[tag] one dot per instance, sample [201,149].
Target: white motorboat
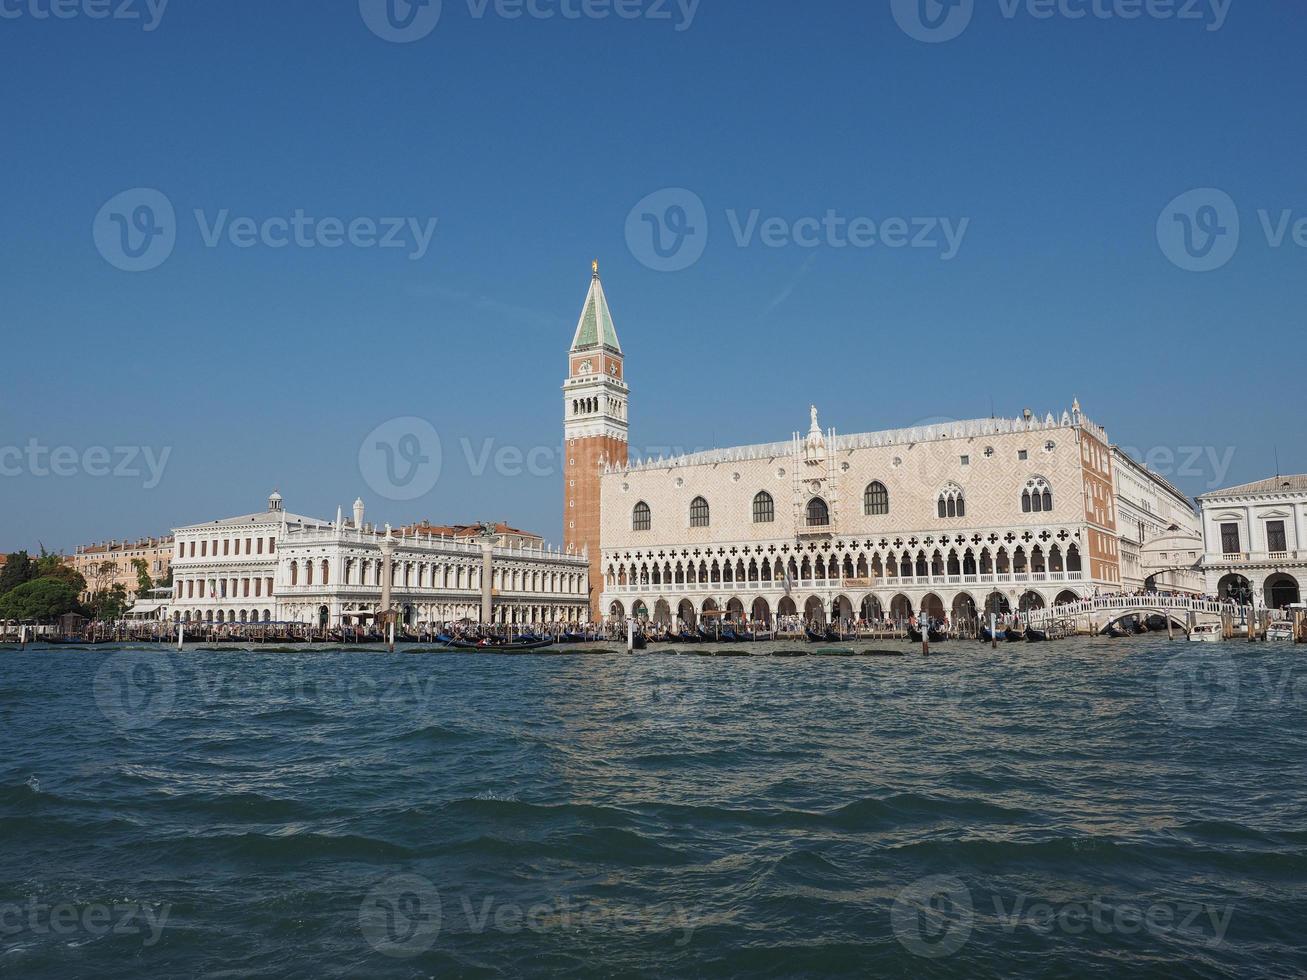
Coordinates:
[1206,633]
[1280,631]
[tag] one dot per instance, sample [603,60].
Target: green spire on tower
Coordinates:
[595,328]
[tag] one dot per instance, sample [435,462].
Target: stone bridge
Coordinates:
[1108,609]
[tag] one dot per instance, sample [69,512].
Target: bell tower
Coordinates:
[595,399]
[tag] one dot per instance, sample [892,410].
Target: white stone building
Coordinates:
[946,519]
[1253,540]
[1160,534]
[274,566]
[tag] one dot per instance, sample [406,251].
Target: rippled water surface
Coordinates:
[1084,808]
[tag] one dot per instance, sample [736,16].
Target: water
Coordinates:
[1085,808]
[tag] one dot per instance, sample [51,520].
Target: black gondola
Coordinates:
[1115,632]
[489,646]
[814,636]
[986,636]
[1014,636]
[1035,636]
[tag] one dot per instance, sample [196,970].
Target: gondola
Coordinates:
[814,636]
[1035,636]
[685,636]
[1115,632]
[986,636]
[490,646]
[639,641]
[1014,636]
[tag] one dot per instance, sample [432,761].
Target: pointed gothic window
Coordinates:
[818,513]
[641,519]
[952,503]
[875,500]
[1037,496]
[764,508]
[698,512]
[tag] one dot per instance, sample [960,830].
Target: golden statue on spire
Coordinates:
[595,265]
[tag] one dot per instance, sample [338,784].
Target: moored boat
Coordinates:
[1280,632]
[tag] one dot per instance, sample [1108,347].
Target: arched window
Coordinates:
[764,508]
[641,519]
[818,513]
[1036,496]
[698,512]
[875,501]
[952,503]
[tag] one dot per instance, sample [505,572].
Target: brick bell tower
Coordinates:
[595,398]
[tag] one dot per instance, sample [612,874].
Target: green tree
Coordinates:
[40,599]
[143,583]
[17,570]
[110,604]
[54,566]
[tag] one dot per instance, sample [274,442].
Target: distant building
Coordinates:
[1160,534]
[505,536]
[111,563]
[274,566]
[1253,540]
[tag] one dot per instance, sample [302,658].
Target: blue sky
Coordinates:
[1059,141]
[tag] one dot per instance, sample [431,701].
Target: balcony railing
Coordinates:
[841,584]
[1253,557]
